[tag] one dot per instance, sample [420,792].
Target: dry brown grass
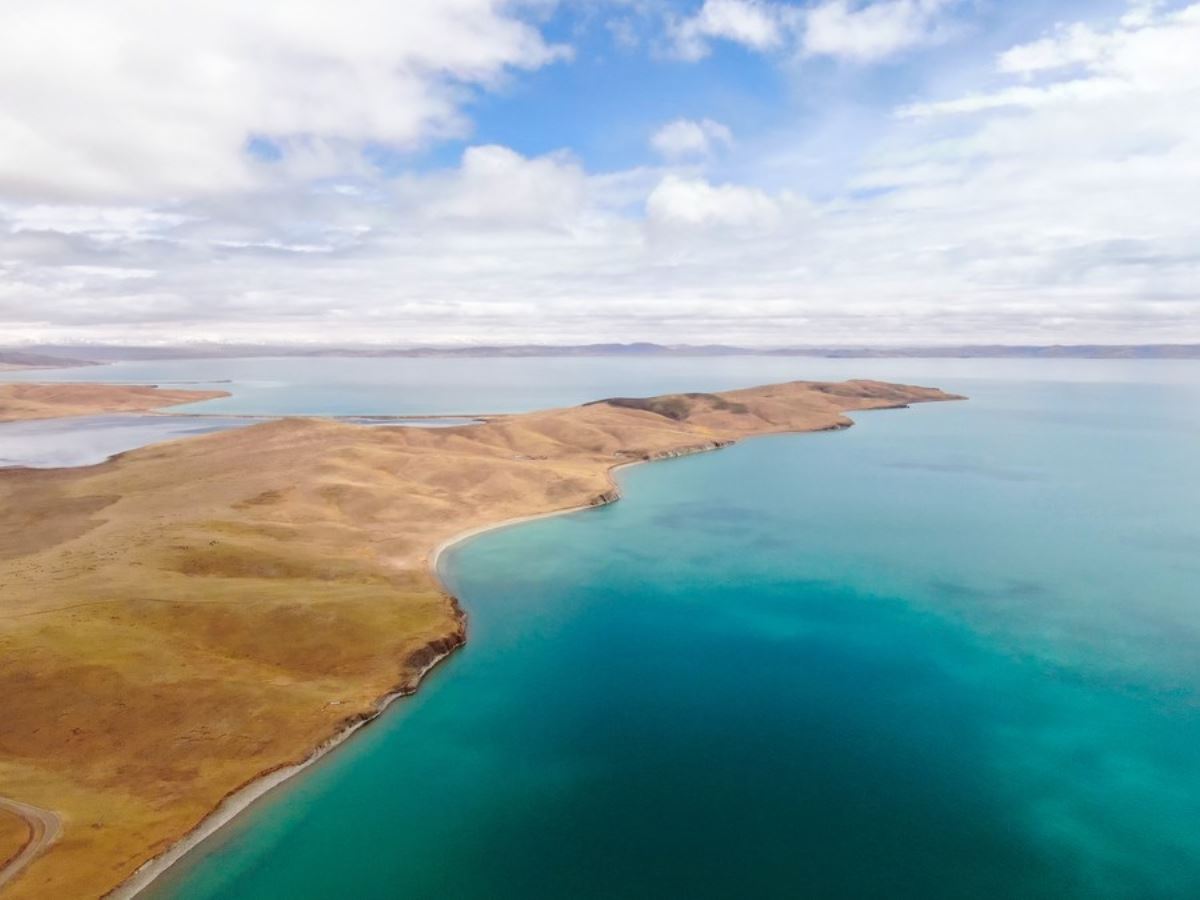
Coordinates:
[49,401]
[185,617]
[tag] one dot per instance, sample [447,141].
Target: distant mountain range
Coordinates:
[1004,351]
[78,354]
[20,359]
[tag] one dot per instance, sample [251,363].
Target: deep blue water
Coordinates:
[951,652]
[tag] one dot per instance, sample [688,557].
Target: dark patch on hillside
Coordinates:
[677,407]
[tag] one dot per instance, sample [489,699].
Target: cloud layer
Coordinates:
[181,178]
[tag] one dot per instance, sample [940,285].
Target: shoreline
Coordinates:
[236,803]
[242,799]
[612,495]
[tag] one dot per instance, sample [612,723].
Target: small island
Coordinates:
[189,623]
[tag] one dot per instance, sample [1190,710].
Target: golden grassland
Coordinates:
[182,619]
[48,401]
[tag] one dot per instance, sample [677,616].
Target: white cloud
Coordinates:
[755,24]
[1154,60]
[1141,12]
[868,32]
[1070,198]
[114,221]
[1073,45]
[133,99]
[688,202]
[117,272]
[861,31]
[684,138]
[495,186]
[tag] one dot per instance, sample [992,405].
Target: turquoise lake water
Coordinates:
[951,652]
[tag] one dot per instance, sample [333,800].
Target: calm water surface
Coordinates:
[952,652]
[85,440]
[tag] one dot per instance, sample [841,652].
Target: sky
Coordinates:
[755,172]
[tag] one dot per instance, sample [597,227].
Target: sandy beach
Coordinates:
[205,613]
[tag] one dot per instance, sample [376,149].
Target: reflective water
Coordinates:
[84,440]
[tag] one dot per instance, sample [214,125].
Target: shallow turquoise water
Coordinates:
[952,652]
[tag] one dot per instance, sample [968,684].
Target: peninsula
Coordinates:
[19,400]
[186,619]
